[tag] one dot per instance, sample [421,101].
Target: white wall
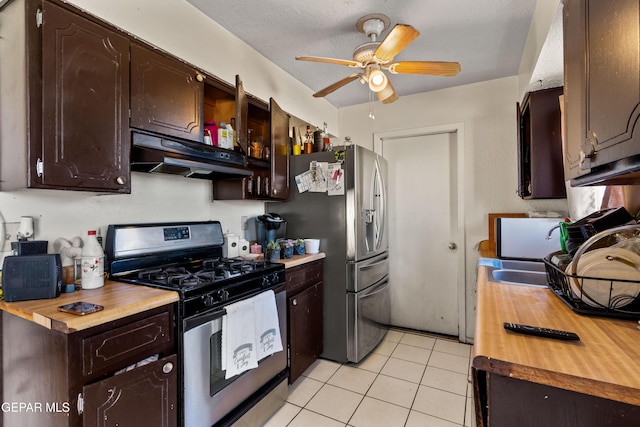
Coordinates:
[543,18]
[487,110]
[180,29]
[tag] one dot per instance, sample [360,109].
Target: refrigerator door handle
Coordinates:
[374,265]
[379,197]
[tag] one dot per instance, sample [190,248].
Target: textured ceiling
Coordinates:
[487,37]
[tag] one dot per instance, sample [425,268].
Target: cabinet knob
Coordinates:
[294,302]
[121,180]
[168,367]
[274,191]
[453,246]
[199,77]
[589,147]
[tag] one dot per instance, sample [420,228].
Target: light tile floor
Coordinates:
[410,380]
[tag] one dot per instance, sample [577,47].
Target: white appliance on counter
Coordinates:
[527,238]
[348,215]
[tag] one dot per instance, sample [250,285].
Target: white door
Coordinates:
[426,266]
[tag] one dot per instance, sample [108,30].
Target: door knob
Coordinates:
[453,246]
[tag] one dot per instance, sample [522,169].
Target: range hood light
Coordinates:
[195,171]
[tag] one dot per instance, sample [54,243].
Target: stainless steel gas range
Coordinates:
[187,257]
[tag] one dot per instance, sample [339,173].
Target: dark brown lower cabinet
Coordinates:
[503,401]
[117,400]
[91,377]
[304,312]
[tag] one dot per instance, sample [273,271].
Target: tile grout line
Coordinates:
[379,373]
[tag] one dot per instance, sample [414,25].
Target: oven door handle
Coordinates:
[201,319]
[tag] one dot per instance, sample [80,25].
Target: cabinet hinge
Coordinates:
[39,167]
[80,403]
[39,18]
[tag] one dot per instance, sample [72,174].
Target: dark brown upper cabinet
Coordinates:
[84,113]
[279,152]
[268,127]
[242,117]
[602,91]
[166,95]
[540,170]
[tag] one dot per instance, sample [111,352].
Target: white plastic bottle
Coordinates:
[92,263]
[230,136]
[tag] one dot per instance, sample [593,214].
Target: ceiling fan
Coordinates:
[374,57]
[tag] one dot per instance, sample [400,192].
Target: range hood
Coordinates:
[159,154]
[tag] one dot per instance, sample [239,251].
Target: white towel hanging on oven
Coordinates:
[267,325]
[239,338]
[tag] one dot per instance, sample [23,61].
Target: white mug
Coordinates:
[312,246]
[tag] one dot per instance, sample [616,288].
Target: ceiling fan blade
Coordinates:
[337,85]
[425,67]
[388,94]
[397,39]
[346,62]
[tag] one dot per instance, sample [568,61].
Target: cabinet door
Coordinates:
[540,146]
[305,329]
[279,152]
[145,396]
[242,116]
[613,83]
[166,95]
[85,105]
[602,98]
[574,90]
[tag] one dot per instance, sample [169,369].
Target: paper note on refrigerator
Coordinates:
[319,173]
[314,179]
[336,179]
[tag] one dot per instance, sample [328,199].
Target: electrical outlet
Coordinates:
[243,223]
[10,235]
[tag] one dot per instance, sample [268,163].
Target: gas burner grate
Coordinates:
[198,273]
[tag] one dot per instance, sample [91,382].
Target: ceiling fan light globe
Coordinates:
[377,80]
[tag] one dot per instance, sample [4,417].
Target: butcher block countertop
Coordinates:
[301,259]
[119,300]
[604,363]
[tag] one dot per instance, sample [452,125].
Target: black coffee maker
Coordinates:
[270,226]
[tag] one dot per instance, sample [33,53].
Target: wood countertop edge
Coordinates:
[119,299]
[301,259]
[616,392]
[489,344]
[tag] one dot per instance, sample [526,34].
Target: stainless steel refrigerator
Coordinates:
[349,218]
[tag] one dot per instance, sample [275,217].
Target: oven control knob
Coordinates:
[265,281]
[223,294]
[275,279]
[208,300]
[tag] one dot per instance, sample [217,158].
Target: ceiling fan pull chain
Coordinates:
[371,115]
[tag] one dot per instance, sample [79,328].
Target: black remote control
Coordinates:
[541,332]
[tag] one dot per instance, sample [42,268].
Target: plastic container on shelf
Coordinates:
[92,263]
[212,127]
